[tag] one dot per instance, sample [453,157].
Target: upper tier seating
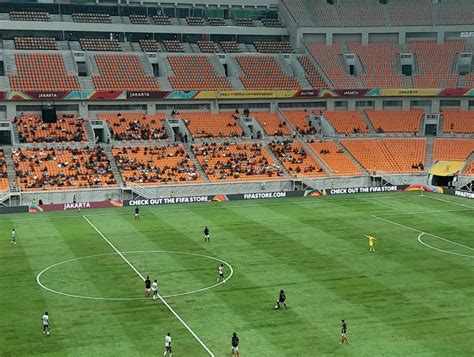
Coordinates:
[135,126]
[271,23]
[230,46]
[138,19]
[35,43]
[296,160]
[311,74]
[122,72]
[3,172]
[29,16]
[32,129]
[361,13]
[328,59]
[161,20]
[53,169]
[208,125]
[410,13]
[195,21]
[244,22]
[216,21]
[395,121]
[92,18]
[42,72]
[208,46]
[299,12]
[272,123]
[195,72]
[455,12]
[173,46]
[388,155]
[150,46]
[435,63]
[379,64]
[324,14]
[264,72]
[336,160]
[155,165]
[452,149]
[273,47]
[100,44]
[236,162]
[346,122]
[459,122]
[299,119]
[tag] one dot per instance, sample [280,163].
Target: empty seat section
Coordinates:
[29,16]
[325,14]
[395,121]
[388,155]
[361,13]
[208,46]
[271,23]
[32,129]
[452,149]
[272,124]
[410,13]
[296,160]
[3,172]
[135,126]
[173,46]
[195,72]
[459,122]
[100,44]
[155,165]
[161,20]
[195,21]
[346,122]
[208,125]
[236,162]
[230,46]
[244,22]
[328,57]
[216,21]
[335,158]
[122,72]
[150,46]
[264,72]
[379,62]
[42,72]
[299,12]
[35,43]
[469,170]
[138,19]
[454,12]
[53,169]
[311,74]
[299,119]
[273,47]
[92,18]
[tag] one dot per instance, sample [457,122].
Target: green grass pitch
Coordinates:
[406,299]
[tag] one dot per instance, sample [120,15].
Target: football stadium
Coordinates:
[237,177]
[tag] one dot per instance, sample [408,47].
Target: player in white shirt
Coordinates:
[13,236]
[45,320]
[154,289]
[220,270]
[168,345]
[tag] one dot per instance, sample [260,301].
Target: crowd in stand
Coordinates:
[419,166]
[137,129]
[40,168]
[294,157]
[3,171]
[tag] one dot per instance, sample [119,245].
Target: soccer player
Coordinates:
[207,238]
[344,332]
[147,286]
[137,213]
[168,345]
[371,243]
[154,289]
[13,236]
[220,270]
[235,345]
[45,320]
[281,300]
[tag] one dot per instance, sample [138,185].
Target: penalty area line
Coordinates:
[159,296]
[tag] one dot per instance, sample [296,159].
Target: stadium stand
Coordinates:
[346,122]
[395,121]
[264,72]
[458,122]
[272,124]
[29,16]
[161,20]
[216,21]
[388,155]
[42,72]
[311,74]
[324,14]
[454,12]
[328,57]
[149,46]
[122,72]
[379,64]
[244,22]
[435,63]
[361,13]
[230,46]
[100,44]
[155,165]
[236,162]
[35,43]
[469,170]
[272,23]
[208,125]
[299,12]
[54,169]
[32,129]
[273,47]
[208,46]
[295,159]
[299,119]
[452,149]
[191,72]
[195,21]
[138,19]
[91,18]
[410,13]
[135,126]
[3,172]
[173,46]
[335,159]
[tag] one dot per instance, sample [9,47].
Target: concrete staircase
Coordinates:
[300,73]
[277,161]
[236,83]
[16,135]
[195,161]
[216,64]
[90,60]
[86,83]
[4,82]
[429,153]
[89,132]
[368,122]
[285,67]
[146,65]
[409,81]
[164,83]
[10,63]
[69,63]
[461,81]
[113,165]
[350,156]
[310,151]
[441,124]
[165,67]
[10,164]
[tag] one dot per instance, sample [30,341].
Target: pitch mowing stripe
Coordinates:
[448,201]
[159,296]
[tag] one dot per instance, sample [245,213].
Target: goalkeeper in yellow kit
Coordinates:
[371,243]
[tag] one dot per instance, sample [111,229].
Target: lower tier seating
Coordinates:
[295,159]
[299,119]
[346,122]
[395,121]
[452,149]
[458,122]
[3,172]
[272,124]
[135,126]
[335,158]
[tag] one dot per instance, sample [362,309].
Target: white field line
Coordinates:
[434,211]
[448,201]
[442,250]
[159,296]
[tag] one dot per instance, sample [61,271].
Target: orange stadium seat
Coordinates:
[452,149]
[135,126]
[208,125]
[469,170]
[335,159]
[299,119]
[348,122]
[3,172]
[395,121]
[311,74]
[272,124]
[296,160]
[459,122]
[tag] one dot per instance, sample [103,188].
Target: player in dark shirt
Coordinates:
[344,332]
[281,300]
[207,238]
[147,286]
[235,345]
[137,213]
